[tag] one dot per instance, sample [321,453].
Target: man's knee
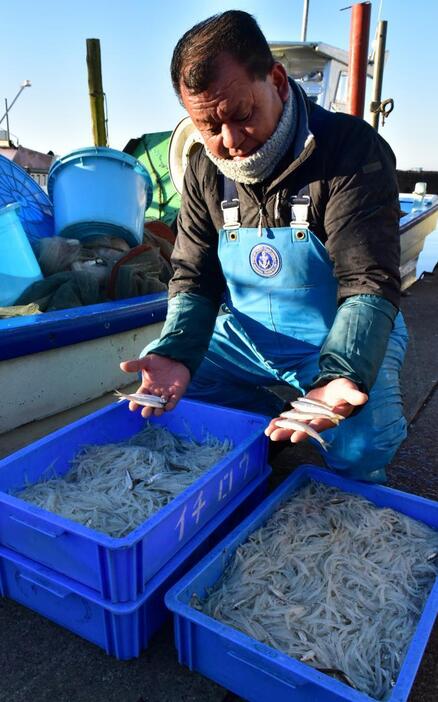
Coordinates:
[364,454]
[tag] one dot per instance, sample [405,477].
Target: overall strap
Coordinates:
[229,202]
[229,188]
[299,205]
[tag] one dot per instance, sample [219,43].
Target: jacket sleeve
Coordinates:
[362,216]
[197,285]
[356,344]
[187,330]
[362,225]
[195,260]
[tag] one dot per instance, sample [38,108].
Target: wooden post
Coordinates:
[379,62]
[95,90]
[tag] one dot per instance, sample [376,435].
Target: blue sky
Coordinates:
[44,41]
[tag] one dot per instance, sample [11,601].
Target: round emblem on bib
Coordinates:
[265,260]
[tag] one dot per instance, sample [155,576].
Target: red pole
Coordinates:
[358,58]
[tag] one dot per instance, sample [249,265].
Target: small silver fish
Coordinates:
[142,399]
[196,602]
[312,401]
[301,415]
[157,476]
[277,593]
[239,604]
[309,656]
[129,483]
[308,406]
[300,426]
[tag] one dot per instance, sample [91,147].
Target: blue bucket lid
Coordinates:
[9,208]
[13,207]
[101,152]
[35,212]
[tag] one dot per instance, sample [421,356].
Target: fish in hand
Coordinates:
[319,410]
[301,426]
[143,399]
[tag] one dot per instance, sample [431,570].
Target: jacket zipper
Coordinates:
[261,204]
[262,213]
[277,208]
[260,228]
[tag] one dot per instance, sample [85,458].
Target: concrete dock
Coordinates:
[41,662]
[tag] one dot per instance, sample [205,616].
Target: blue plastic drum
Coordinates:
[99,191]
[18,265]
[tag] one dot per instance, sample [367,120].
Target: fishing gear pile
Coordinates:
[333,581]
[115,487]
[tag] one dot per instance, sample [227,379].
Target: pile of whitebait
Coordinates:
[333,581]
[304,409]
[115,487]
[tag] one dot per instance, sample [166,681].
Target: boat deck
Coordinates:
[40,662]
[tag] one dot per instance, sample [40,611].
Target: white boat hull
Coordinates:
[414,228]
[42,384]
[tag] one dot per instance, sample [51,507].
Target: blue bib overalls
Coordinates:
[280,306]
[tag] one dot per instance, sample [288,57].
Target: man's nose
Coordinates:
[232,136]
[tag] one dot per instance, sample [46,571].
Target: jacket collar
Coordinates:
[303,134]
[304,142]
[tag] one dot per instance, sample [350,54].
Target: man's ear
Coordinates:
[280,80]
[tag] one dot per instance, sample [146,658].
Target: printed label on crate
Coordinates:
[205,502]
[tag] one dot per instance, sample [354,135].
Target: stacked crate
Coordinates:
[111,591]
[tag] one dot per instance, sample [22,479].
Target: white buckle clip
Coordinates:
[231,215]
[299,211]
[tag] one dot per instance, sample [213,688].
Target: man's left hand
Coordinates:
[340,394]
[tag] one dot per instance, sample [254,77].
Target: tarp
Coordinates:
[152,151]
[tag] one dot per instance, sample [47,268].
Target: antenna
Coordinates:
[304,22]
[25,84]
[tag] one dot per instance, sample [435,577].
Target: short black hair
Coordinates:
[233,32]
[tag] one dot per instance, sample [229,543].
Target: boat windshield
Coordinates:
[312,83]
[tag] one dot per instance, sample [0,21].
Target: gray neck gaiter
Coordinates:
[260,165]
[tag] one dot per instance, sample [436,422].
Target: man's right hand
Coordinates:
[160,376]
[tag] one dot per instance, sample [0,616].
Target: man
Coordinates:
[289,215]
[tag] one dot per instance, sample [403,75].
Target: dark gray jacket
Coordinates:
[350,171]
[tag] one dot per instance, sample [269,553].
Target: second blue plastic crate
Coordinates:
[256,671]
[119,569]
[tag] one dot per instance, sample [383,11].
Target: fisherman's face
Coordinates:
[236,115]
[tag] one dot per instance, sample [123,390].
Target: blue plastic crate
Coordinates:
[124,629]
[119,569]
[254,670]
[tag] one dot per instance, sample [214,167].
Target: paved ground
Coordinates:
[40,662]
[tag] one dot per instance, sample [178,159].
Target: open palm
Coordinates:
[341,394]
[160,376]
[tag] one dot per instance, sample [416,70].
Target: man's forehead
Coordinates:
[217,103]
[229,75]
